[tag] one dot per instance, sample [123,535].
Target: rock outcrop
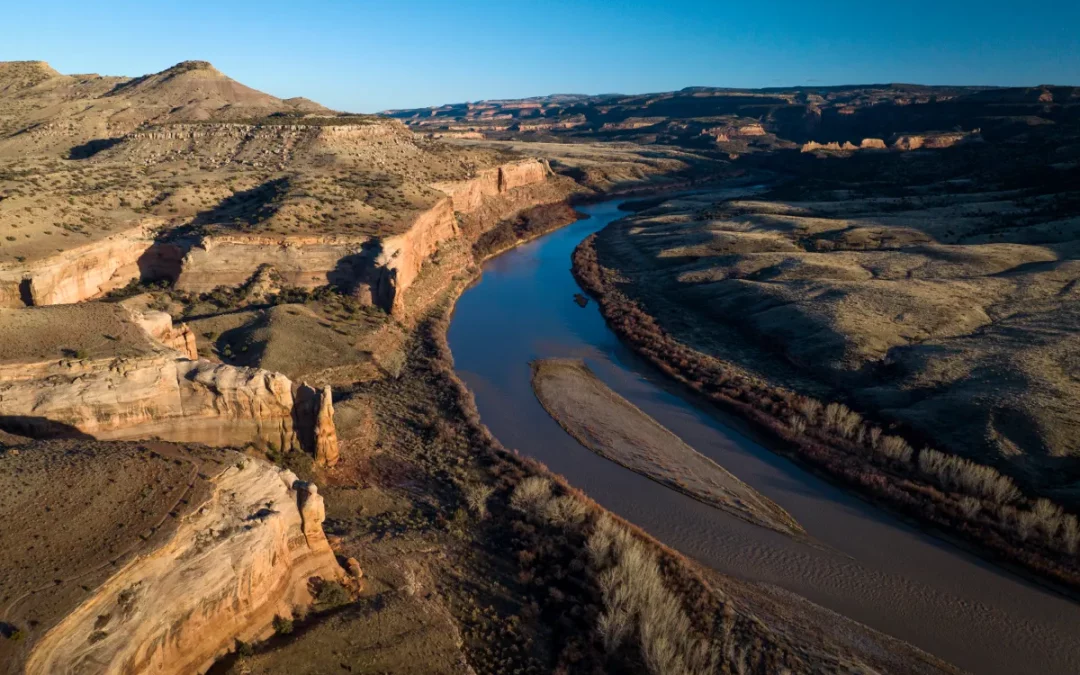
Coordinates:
[161,395]
[846,146]
[933,140]
[312,513]
[469,195]
[88,271]
[377,268]
[159,325]
[730,131]
[257,145]
[326,442]
[138,378]
[254,548]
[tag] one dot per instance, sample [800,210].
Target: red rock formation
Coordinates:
[87,271]
[159,325]
[326,442]
[266,544]
[159,395]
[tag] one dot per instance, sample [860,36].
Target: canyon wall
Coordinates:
[253,546]
[161,396]
[382,267]
[304,261]
[469,195]
[89,270]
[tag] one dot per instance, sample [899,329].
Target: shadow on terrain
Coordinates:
[357,274]
[40,428]
[93,147]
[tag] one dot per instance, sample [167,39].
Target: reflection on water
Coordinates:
[867,566]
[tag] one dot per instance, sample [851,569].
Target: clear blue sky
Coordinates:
[368,56]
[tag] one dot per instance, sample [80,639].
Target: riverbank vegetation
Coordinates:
[540,578]
[970,501]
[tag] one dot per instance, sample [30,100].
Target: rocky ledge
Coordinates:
[378,268]
[248,531]
[140,382]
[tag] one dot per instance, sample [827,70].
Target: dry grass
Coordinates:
[639,605]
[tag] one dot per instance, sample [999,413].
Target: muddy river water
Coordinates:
[869,566]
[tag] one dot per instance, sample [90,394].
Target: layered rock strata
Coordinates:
[162,395]
[135,379]
[256,546]
[379,269]
[90,270]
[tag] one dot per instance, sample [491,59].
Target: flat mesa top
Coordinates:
[92,330]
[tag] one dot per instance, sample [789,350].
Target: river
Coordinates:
[869,566]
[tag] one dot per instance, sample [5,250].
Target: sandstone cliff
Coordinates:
[846,146]
[934,140]
[253,545]
[159,325]
[162,396]
[87,271]
[380,268]
[133,378]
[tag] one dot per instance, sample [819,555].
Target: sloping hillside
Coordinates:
[45,112]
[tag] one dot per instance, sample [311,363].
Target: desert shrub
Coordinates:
[614,626]
[873,436]
[809,407]
[565,511]
[956,473]
[1046,509]
[841,419]
[1070,534]
[970,506]
[600,544]
[393,364]
[895,448]
[332,594]
[636,597]
[1023,522]
[797,424]
[283,626]
[1049,516]
[531,495]
[476,496]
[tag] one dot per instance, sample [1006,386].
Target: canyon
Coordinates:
[384,266]
[213,300]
